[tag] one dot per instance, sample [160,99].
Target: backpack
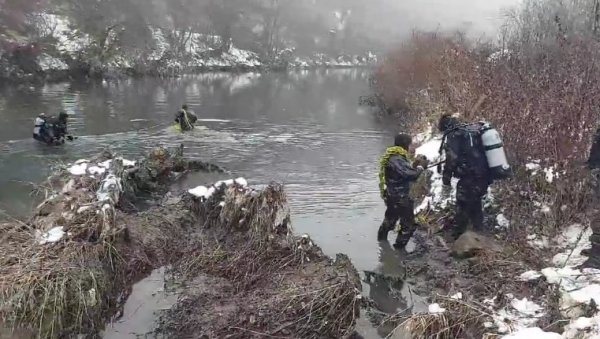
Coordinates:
[465,140]
[481,152]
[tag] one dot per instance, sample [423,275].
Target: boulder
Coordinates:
[470,244]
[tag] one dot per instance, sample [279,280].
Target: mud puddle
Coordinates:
[141,312]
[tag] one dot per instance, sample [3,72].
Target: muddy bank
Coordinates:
[502,282]
[108,222]
[249,276]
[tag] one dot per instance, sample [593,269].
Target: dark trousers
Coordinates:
[594,253]
[469,203]
[402,210]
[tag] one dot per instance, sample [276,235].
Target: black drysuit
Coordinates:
[594,166]
[470,167]
[399,174]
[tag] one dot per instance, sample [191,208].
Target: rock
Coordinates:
[470,244]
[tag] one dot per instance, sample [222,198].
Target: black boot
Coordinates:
[404,236]
[401,241]
[382,234]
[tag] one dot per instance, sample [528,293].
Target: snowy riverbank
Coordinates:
[68,51]
[531,295]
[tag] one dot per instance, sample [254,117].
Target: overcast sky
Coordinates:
[476,16]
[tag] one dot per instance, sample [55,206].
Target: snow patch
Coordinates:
[521,314]
[436,309]
[198,192]
[550,174]
[532,333]
[502,222]
[540,242]
[78,168]
[110,189]
[96,170]
[83,167]
[533,167]
[204,192]
[49,63]
[530,275]
[574,239]
[439,195]
[53,235]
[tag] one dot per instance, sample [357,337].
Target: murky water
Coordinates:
[304,129]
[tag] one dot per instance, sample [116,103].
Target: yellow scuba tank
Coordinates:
[177,127]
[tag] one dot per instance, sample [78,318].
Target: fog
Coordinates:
[476,17]
[266,27]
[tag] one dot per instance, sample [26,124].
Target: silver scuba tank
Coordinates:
[494,152]
[39,123]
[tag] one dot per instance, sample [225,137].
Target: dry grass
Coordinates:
[462,319]
[57,290]
[70,287]
[249,242]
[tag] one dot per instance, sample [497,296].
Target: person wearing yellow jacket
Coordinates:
[396,173]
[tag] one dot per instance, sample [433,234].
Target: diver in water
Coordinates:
[52,131]
[40,129]
[185,118]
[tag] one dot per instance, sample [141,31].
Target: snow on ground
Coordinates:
[539,242]
[68,40]
[530,275]
[518,315]
[78,169]
[535,168]
[502,222]
[52,236]
[199,51]
[110,189]
[49,63]
[436,309]
[84,166]
[439,196]
[578,287]
[457,296]
[204,192]
[533,333]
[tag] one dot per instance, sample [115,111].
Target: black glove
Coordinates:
[70,138]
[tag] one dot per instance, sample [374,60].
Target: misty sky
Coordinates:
[476,16]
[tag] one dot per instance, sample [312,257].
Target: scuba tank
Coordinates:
[489,143]
[494,152]
[39,123]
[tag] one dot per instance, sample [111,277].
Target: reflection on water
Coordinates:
[304,129]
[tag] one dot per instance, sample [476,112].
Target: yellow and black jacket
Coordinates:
[396,173]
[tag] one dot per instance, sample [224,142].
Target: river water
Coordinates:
[304,129]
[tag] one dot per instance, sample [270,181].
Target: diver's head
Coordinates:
[403,140]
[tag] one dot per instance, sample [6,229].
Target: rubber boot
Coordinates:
[382,234]
[404,237]
[401,241]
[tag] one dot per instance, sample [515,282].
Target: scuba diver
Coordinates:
[40,129]
[593,165]
[185,119]
[52,131]
[396,173]
[475,156]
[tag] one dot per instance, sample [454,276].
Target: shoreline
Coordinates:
[95,243]
[74,75]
